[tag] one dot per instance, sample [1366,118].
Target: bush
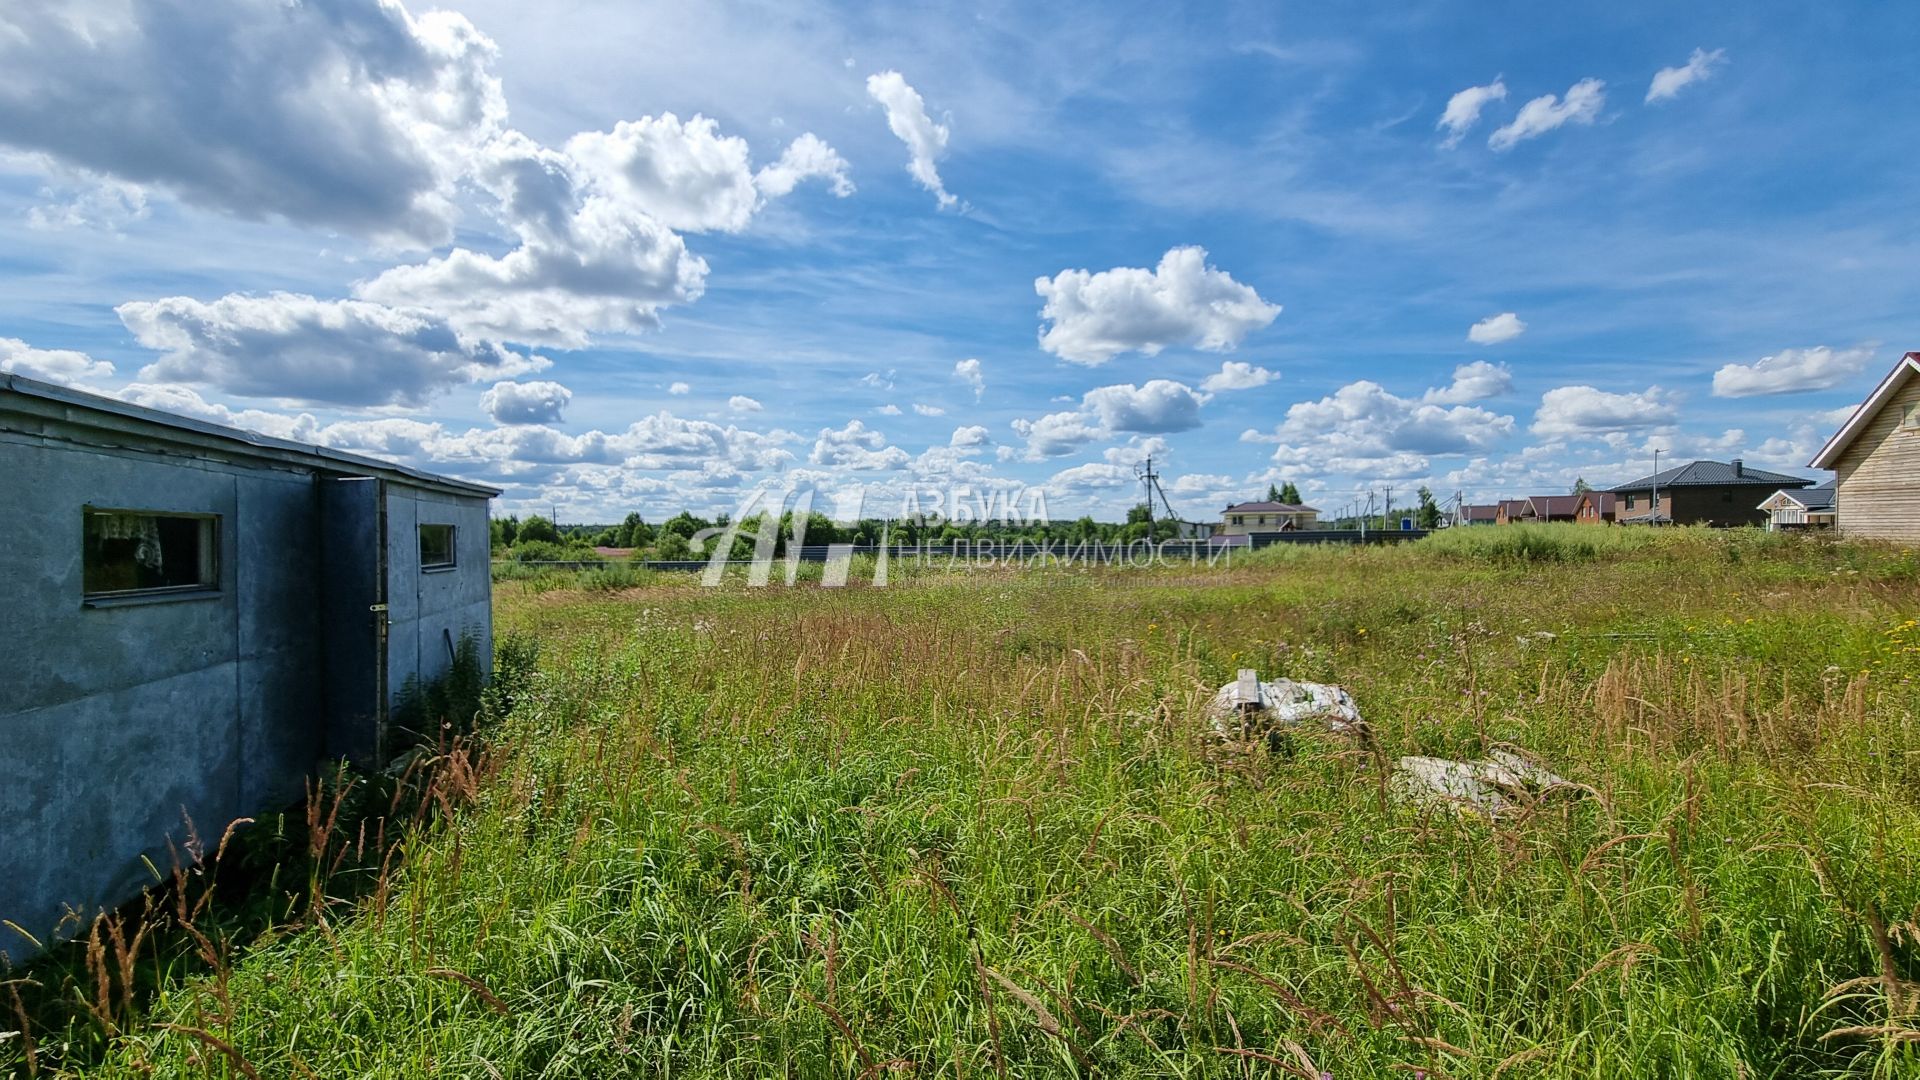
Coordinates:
[536,551]
[1555,543]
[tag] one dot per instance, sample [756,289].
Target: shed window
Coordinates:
[1910,417]
[134,551]
[436,547]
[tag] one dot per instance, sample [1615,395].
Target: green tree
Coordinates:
[1428,516]
[501,531]
[1140,514]
[683,525]
[633,532]
[1580,486]
[537,528]
[1290,494]
[1273,494]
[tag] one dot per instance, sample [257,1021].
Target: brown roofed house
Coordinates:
[1247,518]
[1549,508]
[1595,508]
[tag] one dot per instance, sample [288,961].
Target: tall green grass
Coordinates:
[972,824]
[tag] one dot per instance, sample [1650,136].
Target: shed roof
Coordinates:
[62,403]
[1479,511]
[1905,369]
[1713,474]
[1602,500]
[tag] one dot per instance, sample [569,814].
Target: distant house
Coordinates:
[1509,511]
[1595,508]
[1245,519]
[1806,508]
[1716,493]
[1486,514]
[1541,508]
[1875,458]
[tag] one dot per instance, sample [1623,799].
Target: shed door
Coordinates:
[353,568]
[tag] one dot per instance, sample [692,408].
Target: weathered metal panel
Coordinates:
[351,614]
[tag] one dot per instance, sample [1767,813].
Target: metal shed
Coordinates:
[195,616]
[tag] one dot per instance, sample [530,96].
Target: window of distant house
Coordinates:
[436,547]
[1629,502]
[1910,417]
[1239,519]
[133,552]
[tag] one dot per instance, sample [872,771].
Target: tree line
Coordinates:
[536,538]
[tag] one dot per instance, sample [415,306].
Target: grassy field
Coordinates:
[973,825]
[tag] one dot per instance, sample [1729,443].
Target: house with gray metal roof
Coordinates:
[1804,508]
[196,616]
[1716,493]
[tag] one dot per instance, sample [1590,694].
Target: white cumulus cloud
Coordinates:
[62,366]
[287,345]
[1668,82]
[1472,382]
[1183,301]
[1160,406]
[354,116]
[907,118]
[1585,411]
[1495,329]
[743,403]
[968,371]
[539,402]
[856,447]
[679,389]
[805,158]
[928,410]
[1363,429]
[1543,114]
[1463,110]
[1236,375]
[1792,370]
[690,177]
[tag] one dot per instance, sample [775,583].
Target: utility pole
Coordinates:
[1654,515]
[1150,480]
[1146,479]
[1386,511]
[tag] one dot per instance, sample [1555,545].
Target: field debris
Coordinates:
[1249,707]
[1498,782]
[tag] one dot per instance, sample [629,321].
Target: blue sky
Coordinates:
[905,248]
